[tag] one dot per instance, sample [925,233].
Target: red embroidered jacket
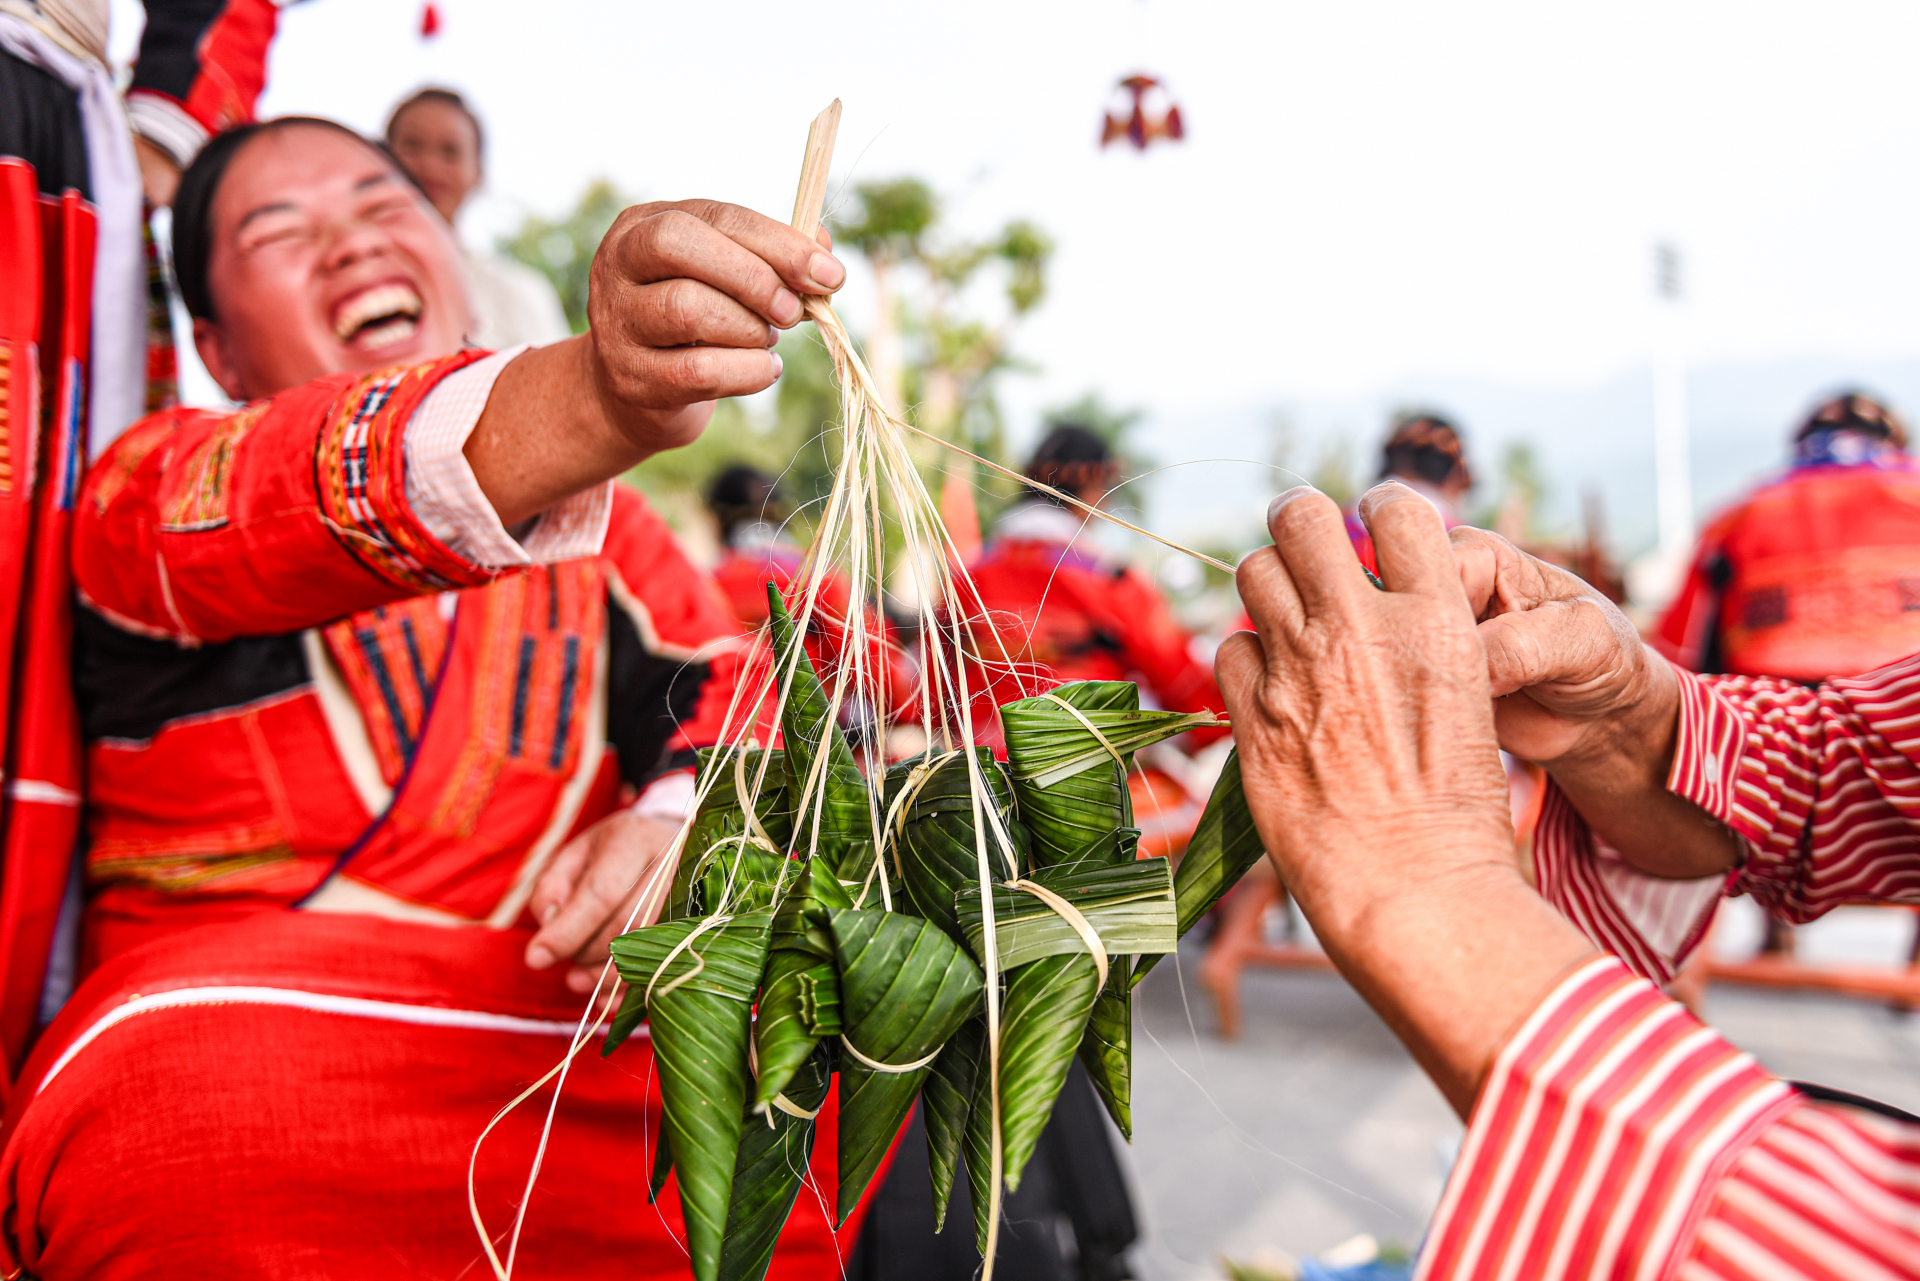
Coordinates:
[283,675]
[1616,1136]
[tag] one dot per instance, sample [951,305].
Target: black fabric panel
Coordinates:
[129,686]
[40,123]
[648,695]
[170,45]
[1071,1220]
[1827,1094]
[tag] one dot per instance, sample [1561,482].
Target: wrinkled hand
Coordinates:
[686,300]
[1569,672]
[1364,725]
[1576,690]
[585,898]
[1361,716]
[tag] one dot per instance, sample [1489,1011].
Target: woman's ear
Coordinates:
[211,342]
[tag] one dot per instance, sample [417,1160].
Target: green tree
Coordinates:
[563,251]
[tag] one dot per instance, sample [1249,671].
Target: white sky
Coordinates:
[1374,197]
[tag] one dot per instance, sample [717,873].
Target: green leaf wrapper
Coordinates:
[945,1099]
[905,988]
[1130,906]
[1106,1047]
[800,999]
[1041,1022]
[1224,846]
[977,1146]
[699,1006]
[713,843]
[1072,792]
[662,1166]
[934,830]
[768,1171]
[839,826]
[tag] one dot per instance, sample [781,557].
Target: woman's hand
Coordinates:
[1576,690]
[686,301]
[1365,729]
[588,896]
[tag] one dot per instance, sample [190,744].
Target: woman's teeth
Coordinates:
[385,333]
[379,316]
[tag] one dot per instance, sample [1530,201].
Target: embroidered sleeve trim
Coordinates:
[360,477]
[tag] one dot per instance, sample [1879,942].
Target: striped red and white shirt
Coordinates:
[1616,1136]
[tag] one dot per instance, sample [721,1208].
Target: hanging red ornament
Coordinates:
[429,21]
[1137,120]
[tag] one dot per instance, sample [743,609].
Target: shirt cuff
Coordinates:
[163,122]
[669,797]
[1706,750]
[448,501]
[1603,1129]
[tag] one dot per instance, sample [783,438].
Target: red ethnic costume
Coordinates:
[335,720]
[1616,1136]
[1814,575]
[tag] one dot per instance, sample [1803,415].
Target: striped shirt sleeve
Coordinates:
[1618,1138]
[1821,784]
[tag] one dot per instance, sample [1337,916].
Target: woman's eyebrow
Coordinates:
[372,180]
[283,206]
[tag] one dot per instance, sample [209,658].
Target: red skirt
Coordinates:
[298,1096]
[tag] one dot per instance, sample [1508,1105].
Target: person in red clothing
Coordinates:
[1815,574]
[1053,606]
[750,516]
[1609,1133]
[385,692]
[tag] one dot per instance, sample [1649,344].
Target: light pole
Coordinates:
[1672,464]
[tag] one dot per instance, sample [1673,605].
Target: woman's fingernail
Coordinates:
[779,366]
[786,308]
[539,958]
[548,912]
[826,270]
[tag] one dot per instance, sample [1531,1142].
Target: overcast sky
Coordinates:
[1373,197]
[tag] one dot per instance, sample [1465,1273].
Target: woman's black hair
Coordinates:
[1070,458]
[193,204]
[742,494]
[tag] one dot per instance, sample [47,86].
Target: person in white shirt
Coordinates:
[437,139]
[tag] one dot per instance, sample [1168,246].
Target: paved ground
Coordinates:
[1316,1125]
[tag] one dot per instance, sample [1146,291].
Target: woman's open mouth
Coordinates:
[380,317]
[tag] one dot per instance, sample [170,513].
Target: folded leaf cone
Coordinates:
[905,988]
[1041,1022]
[932,828]
[800,998]
[1106,1047]
[698,998]
[721,834]
[834,820]
[945,1099]
[768,1170]
[1071,781]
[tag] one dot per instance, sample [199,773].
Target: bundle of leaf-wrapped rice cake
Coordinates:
[836,928]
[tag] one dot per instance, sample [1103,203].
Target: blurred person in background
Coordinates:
[437,139]
[1055,606]
[1815,574]
[750,516]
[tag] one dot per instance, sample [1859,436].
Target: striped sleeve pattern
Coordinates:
[1601,1139]
[1824,785]
[1821,784]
